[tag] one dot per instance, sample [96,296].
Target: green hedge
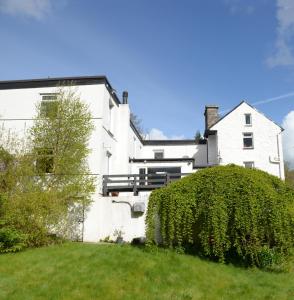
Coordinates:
[225,213]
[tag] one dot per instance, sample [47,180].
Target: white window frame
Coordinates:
[251,133]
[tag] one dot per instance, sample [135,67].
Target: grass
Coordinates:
[92,271]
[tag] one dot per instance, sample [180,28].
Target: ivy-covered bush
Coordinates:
[227,213]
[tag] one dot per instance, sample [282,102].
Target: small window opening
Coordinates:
[248,119]
[248,140]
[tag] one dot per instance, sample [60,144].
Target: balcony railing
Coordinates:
[137,182]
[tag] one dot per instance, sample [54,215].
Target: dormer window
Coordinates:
[248,120]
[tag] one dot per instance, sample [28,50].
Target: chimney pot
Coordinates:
[125,97]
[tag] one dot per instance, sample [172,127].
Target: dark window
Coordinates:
[248,120]
[158,154]
[44,163]
[249,164]
[160,174]
[248,140]
[49,106]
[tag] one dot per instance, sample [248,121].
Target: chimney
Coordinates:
[211,115]
[125,97]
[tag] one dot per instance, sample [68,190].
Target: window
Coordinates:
[49,105]
[248,140]
[248,119]
[159,174]
[158,154]
[249,164]
[45,160]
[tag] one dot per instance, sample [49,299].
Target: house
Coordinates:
[122,162]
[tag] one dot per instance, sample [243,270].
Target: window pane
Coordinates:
[249,164]
[45,161]
[248,140]
[248,119]
[158,155]
[49,108]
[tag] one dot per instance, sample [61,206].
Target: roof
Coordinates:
[224,116]
[57,81]
[172,142]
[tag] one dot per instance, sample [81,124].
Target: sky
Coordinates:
[173,56]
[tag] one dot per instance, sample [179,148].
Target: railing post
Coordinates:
[167,178]
[135,191]
[104,184]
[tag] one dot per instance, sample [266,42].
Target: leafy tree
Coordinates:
[50,186]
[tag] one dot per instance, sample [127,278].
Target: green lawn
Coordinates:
[91,271]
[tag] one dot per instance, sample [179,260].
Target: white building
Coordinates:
[243,136]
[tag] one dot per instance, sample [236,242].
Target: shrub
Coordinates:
[226,213]
[11,240]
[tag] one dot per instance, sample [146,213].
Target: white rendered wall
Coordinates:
[105,216]
[266,139]
[198,152]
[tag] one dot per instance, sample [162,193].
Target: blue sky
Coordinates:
[172,56]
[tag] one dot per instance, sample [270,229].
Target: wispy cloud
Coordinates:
[283,52]
[36,9]
[238,6]
[157,134]
[288,138]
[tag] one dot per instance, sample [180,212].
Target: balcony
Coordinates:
[136,183]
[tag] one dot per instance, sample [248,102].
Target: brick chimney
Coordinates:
[211,115]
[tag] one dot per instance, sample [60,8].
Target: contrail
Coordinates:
[274,99]
[267,100]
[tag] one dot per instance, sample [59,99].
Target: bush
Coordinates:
[227,213]
[11,240]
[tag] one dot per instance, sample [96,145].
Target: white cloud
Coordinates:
[156,134]
[30,8]
[288,138]
[283,53]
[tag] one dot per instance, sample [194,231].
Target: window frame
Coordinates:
[45,161]
[252,137]
[46,100]
[249,162]
[159,151]
[250,116]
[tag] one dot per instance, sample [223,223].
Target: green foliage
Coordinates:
[289,175]
[45,187]
[226,213]
[11,240]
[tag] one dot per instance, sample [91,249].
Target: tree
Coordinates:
[52,186]
[198,136]
[138,124]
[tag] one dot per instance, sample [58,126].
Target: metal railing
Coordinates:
[137,182]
